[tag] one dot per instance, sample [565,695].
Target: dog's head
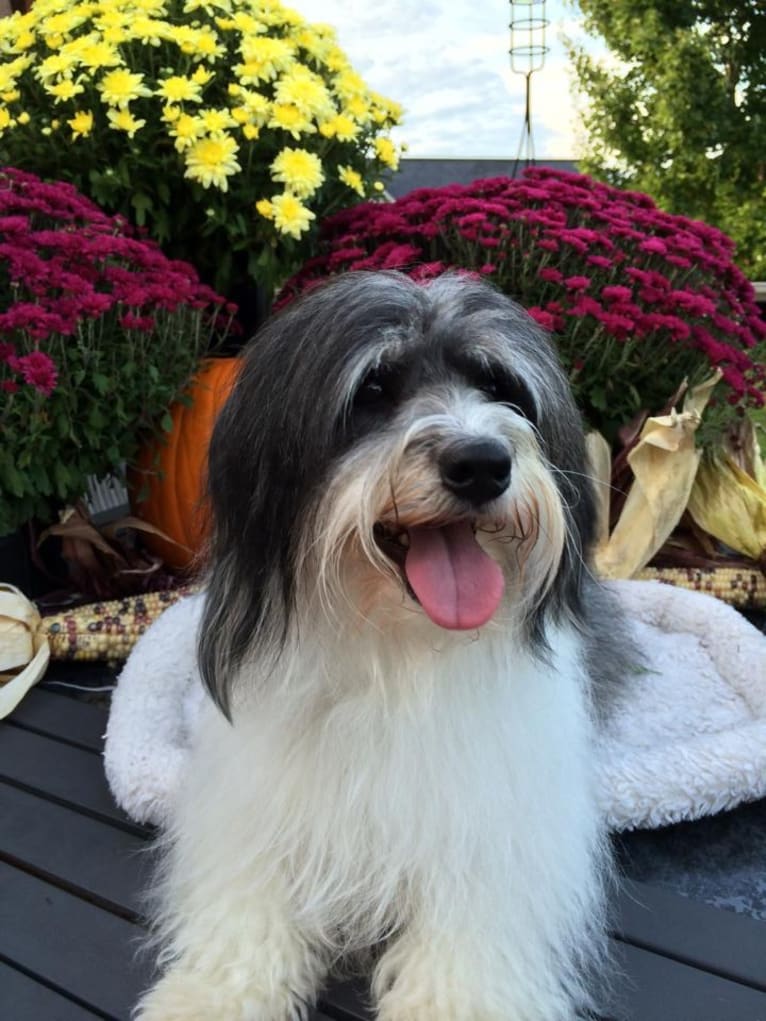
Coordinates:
[393,454]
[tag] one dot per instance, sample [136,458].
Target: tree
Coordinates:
[681,112]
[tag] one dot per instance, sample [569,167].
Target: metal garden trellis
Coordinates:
[527,51]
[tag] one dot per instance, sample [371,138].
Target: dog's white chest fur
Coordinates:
[373,793]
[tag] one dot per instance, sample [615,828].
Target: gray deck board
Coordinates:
[80,949]
[24,998]
[103,864]
[57,715]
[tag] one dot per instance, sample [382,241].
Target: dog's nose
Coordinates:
[477,470]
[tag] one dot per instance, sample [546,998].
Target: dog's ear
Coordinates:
[260,471]
[273,445]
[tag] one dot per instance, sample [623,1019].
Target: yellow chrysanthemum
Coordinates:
[6,121]
[211,161]
[57,64]
[116,35]
[186,131]
[336,60]
[123,120]
[150,31]
[349,85]
[290,215]
[385,111]
[265,209]
[263,59]
[81,124]
[340,127]
[120,86]
[305,90]
[149,6]
[352,178]
[298,169]
[257,106]
[24,41]
[202,76]
[207,46]
[210,7]
[386,152]
[290,119]
[178,89]
[251,132]
[7,79]
[246,24]
[23,118]
[316,40]
[214,120]
[171,112]
[99,54]
[359,109]
[63,90]
[64,22]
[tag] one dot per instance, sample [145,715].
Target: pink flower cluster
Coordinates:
[64,262]
[636,298]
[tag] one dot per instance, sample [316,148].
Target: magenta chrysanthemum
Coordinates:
[98,331]
[638,299]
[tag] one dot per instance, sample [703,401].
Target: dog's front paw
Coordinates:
[184,996]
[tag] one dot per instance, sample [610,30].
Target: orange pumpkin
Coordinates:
[166,483]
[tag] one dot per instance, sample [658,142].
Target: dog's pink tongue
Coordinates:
[459,586]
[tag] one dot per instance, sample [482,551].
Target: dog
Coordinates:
[405,654]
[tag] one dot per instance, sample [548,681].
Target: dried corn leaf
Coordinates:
[730,505]
[664,464]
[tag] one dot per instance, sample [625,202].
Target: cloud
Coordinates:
[449,67]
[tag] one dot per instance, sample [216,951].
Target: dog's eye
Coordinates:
[503,388]
[378,389]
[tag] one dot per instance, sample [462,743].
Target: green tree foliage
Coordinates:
[681,112]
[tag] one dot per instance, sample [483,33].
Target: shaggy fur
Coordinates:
[365,777]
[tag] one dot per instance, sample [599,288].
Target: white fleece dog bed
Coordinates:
[685,739]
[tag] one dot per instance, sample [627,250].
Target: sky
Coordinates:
[447,63]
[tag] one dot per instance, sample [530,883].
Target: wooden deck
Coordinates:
[71,872]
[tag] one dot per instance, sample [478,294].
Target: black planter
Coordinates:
[16,565]
[254,304]
[34,575]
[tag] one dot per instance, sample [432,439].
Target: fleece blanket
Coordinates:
[685,738]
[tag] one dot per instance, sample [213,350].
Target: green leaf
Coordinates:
[101,382]
[12,480]
[143,204]
[62,478]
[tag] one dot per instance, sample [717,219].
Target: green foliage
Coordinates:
[681,113]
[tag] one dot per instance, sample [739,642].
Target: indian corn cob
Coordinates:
[739,586]
[107,630]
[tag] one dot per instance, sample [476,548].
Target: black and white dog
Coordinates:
[404,650]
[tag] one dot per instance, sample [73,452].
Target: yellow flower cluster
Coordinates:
[237,96]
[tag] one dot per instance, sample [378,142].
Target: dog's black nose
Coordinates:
[476,470]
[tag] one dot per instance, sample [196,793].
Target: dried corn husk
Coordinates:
[664,463]
[24,651]
[99,631]
[730,504]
